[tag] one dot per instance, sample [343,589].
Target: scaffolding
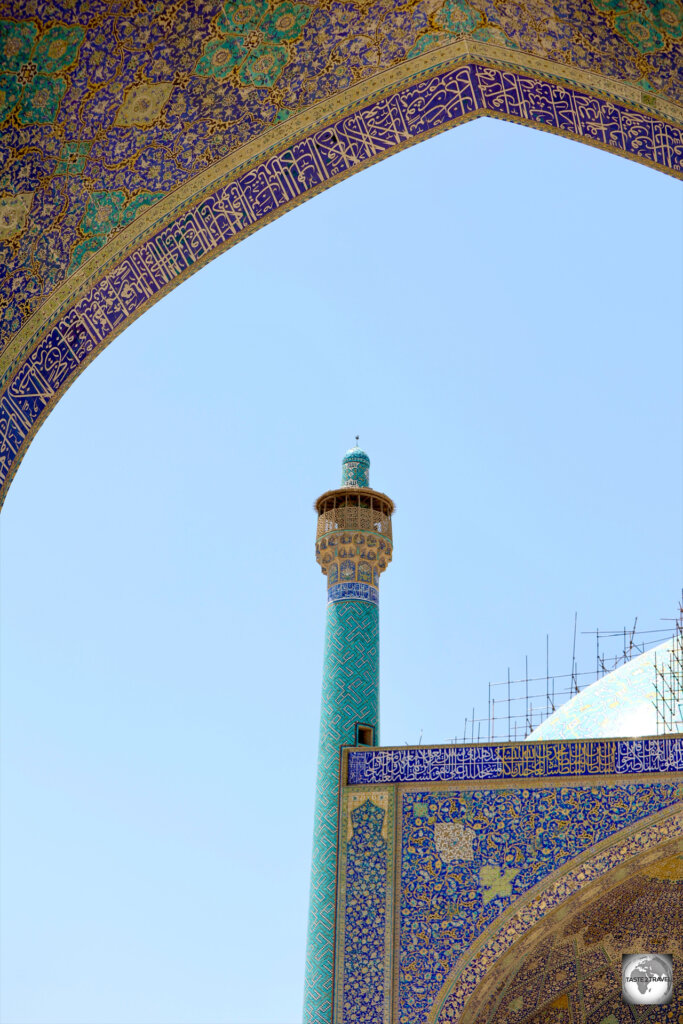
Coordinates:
[518,706]
[668,700]
[635,641]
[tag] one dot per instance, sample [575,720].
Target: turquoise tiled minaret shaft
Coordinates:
[353,547]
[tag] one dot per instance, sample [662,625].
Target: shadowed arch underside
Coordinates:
[569,971]
[140,140]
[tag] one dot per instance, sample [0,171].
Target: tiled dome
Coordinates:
[356,468]
[621,703]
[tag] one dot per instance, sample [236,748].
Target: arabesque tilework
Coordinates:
[141,139]
[536,912]
[363,950]
[573,955]
[573,969]
[473,849]
[520,837]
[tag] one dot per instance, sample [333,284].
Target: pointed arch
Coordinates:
[481,975]
[449,63]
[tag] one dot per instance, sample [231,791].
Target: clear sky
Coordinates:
[498,313]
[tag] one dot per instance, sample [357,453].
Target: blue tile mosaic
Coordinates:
[467,854]
[353,592]
[365,879]
[522,760]
[356,468]
[350,696]
[517,837]
[164,99]
[637,906]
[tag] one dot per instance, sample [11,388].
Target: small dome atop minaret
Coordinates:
[356,468]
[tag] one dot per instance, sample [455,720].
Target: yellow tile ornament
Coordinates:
[14,211]
[143,104]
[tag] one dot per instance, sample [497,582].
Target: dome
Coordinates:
[621,703]
[356,454]
[356,468]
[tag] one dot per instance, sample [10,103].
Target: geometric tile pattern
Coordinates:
[520,760]
[196,121]
[350,694]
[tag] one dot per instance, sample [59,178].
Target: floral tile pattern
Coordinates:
[579,963]
[251,44]
[484,971]
[147,99]
[104,212]
[366,881]
[468,855]
[522,836]
[30,65]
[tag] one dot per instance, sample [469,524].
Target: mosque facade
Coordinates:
[140,141]
[487,883]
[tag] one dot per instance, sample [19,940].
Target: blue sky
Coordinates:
[498,313]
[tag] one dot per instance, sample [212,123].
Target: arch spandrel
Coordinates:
[581,918]
[140,143]
[569,968]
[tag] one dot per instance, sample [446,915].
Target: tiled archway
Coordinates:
[140,141]
[556,956]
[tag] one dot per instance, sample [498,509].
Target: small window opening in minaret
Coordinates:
[365,735]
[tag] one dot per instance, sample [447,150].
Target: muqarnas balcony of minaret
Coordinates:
[364,545]
[347,570]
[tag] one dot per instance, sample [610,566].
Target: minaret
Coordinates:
[353,547]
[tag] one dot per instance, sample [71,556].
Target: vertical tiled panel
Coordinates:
[365,908]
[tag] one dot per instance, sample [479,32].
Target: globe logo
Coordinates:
[647,978]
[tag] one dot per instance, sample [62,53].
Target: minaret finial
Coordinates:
[356,467]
